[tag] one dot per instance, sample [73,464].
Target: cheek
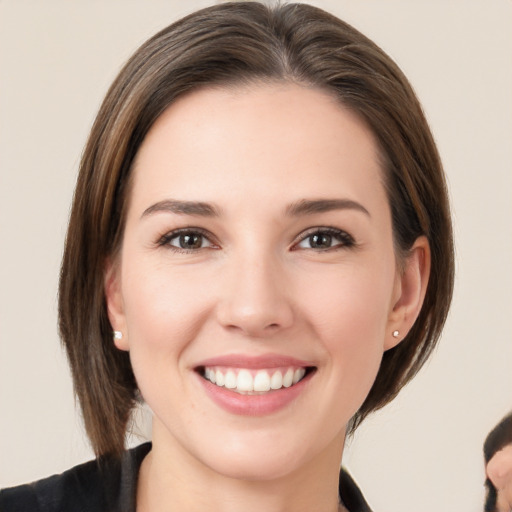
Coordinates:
[350,306]
[162,307]
[164,313]
[350,317]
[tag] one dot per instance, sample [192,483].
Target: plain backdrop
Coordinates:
[57,58]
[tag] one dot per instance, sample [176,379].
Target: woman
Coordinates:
[498,467]
[260,248]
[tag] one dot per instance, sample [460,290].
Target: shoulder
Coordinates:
[77,487]
[350,494]
[106,484]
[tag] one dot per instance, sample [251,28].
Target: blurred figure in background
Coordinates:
[498,467]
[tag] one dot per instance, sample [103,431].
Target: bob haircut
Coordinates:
[228,45]
[499,437]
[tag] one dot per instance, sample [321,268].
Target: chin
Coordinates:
[255,468]
[267,456]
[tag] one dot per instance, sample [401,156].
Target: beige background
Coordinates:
[57,58]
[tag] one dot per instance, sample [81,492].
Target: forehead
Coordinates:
[256,138]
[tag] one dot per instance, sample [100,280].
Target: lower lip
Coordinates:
[254,405]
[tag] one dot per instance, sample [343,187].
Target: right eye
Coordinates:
[186,240]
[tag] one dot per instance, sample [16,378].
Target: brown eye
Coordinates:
[190,241]
[325,239]
[320,241]
[186,241]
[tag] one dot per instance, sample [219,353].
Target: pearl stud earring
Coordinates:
[396,334]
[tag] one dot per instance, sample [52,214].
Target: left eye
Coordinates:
[325,239]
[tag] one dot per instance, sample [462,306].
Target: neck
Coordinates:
[171,479]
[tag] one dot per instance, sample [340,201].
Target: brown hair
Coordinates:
[229,44]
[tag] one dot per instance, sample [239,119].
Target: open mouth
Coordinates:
[254,381]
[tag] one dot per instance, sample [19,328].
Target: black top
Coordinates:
[109,485]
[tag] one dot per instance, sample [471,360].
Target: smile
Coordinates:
[254,385]
[248,381]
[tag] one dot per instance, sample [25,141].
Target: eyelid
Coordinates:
[347,240]
[164,240]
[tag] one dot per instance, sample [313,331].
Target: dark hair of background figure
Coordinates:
[228,45]
[498,438]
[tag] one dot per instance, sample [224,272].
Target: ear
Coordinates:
[115,305]
[410,288]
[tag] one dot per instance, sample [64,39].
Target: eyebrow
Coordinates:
[302,207]
[310,207]
[183,208]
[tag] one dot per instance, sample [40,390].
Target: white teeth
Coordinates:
[276,382]
[230,380]
[299,373]
[262,381]
[288,378]
[243,381]
[219,378]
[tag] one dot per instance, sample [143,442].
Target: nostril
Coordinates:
[254,315]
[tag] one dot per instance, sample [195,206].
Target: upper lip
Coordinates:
[254,362]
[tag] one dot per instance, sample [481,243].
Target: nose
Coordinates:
[255,298]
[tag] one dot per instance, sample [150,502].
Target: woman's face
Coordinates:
[257,254]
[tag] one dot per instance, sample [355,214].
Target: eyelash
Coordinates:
[345,240]
[166,239]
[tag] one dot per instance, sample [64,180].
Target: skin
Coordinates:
[256,286]
[499,472]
